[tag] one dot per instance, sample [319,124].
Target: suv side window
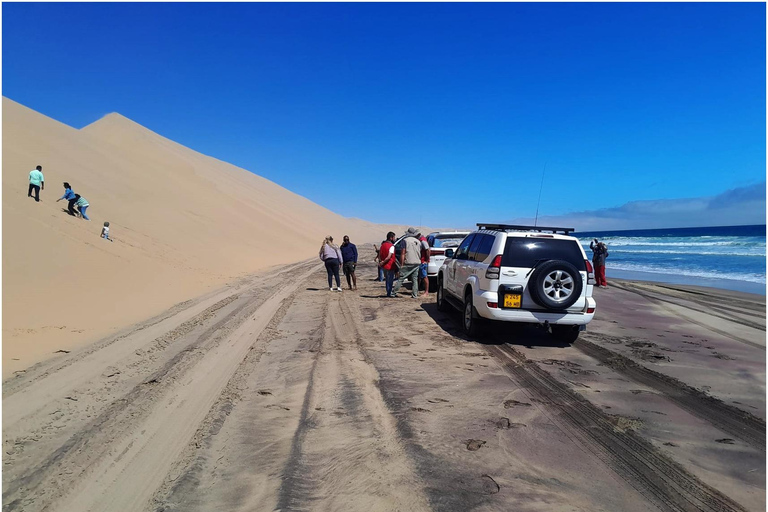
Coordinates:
[481,247]
[462,253]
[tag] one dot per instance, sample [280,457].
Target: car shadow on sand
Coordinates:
[493,333]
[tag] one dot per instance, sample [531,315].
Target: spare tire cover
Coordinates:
[555,284]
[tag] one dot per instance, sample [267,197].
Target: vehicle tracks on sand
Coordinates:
[117,459]
[662,481]
[732,420]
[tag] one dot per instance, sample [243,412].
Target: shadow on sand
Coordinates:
[493,333]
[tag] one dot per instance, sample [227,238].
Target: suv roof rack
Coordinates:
[513,227]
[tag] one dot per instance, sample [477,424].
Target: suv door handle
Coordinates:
[509,273]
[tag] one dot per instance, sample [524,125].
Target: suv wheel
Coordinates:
[470,323]
[565,333]
[442,305]
[555,284]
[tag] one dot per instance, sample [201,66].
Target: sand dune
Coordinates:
[183,223]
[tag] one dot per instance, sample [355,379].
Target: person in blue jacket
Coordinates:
[69,196]
[349,256]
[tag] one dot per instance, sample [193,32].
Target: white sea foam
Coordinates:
[713,274]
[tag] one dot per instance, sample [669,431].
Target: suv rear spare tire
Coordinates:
[555,284]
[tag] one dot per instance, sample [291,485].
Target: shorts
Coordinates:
[349,267]
[423,270]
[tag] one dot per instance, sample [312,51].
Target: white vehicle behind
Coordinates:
[439,242]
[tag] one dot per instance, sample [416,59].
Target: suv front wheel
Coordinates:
[442,305]
[470,322]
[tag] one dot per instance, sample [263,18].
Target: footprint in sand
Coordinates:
[514,403]
[474,444]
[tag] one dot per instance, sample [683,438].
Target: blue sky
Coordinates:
[430,114]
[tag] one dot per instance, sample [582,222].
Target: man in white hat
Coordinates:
[410,260]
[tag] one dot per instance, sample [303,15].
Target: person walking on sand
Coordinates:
[331,255]
[599,253]
[70,197]
[36,182]
[82,204]
[410,261]
[349,259]
[387,261]
[424,263]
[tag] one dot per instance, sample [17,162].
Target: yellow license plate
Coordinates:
[511,301]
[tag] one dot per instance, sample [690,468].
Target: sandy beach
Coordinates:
[183,223]
[273,393]
[199,362]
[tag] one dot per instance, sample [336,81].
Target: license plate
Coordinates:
[511,300]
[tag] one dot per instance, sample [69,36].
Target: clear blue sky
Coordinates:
[434,114]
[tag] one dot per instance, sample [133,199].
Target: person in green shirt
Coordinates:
[36,182]
[81,204]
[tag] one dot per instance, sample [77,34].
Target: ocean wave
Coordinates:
[680,243]
[710,274]
[760,254]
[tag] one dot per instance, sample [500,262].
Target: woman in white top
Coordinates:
[331,255]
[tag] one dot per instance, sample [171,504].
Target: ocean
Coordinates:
[731,258]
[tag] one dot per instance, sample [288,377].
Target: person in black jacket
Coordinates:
[349,257]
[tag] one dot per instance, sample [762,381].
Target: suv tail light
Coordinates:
[494,269]
[590,273]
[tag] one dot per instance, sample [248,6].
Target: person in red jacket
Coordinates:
[387,261]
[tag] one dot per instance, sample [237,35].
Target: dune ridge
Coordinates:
[183,223]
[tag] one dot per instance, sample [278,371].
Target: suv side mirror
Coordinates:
[449,253]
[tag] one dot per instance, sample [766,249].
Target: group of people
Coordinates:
[74,200]
[37,183]
[406,260]
[335,257]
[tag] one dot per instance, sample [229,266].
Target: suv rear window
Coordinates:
[525,252]
[447,240]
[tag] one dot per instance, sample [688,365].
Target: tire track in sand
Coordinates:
[732,420]
[662,481]
[120,458]
[347,449]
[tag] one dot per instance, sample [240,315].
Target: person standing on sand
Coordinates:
[36,182]
[349,259]
[410,261]
[377,260]
[330,254]
[69,196]
[424,263]
[387,261]
[599,253]
[82,204]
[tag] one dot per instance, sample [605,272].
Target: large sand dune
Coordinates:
[183,223]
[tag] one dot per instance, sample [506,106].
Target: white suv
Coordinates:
[519,274]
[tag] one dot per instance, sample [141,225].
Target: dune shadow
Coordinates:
[494,333]
[315,289]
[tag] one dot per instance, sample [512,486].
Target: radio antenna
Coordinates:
[541,187]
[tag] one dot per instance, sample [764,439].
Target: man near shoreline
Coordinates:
[410,261]
[36,182]
[599,253]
